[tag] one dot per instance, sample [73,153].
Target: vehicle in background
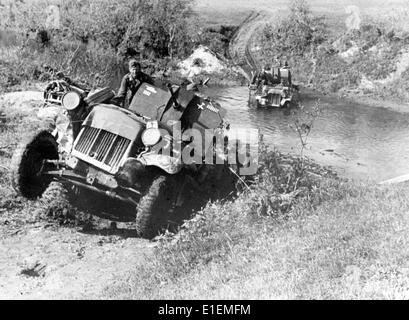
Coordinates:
[273,88]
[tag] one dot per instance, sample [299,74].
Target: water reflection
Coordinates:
[359,141]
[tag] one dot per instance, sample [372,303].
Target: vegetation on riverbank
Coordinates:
[334,240]
[329,52]
[91,41]
[351,53]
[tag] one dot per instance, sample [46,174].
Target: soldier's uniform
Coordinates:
[130,84]
[265,76]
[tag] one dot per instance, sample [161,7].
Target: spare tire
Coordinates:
[27,162]
[99,96]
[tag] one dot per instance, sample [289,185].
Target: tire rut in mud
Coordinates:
[240,44]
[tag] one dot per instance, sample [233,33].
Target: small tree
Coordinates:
[104,21]
[304,123]
[161,27]
[295,33]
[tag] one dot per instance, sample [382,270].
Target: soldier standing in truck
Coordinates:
[131,83]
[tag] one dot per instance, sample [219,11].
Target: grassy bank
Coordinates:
[338,241]
[335,54]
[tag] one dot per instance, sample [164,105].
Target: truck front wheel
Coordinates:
[154,207]
[27,163]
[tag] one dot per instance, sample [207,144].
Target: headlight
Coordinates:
[151,136]
[71,100]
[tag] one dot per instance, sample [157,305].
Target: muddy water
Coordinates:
[359,141]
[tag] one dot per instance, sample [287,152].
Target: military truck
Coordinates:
[272,88]
[125,154]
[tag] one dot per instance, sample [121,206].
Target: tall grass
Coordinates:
[353,244]
[214,235]
[94,67]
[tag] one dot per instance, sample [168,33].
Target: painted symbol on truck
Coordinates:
[151,89]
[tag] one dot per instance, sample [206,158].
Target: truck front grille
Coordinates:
[101,148]
[275,99]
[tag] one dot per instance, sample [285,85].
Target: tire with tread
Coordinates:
[26,164]
[153,208]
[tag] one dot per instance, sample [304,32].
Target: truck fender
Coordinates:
[167,163]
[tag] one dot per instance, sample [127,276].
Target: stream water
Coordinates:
[359,141]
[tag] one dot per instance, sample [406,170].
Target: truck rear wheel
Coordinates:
[152,212]
[27,162]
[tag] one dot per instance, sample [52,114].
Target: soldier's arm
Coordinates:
[123,88]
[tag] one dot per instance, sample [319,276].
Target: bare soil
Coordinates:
[46,261]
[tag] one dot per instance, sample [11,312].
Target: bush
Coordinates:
[285,188]
[217,38]
[92,67]
[157,28]
[282,181]
[295,33]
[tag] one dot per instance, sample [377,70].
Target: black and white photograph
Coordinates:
[222,151]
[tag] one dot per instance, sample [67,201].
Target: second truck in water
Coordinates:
[272,88]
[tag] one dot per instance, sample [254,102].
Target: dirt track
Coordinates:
[46,262]
[242,43]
